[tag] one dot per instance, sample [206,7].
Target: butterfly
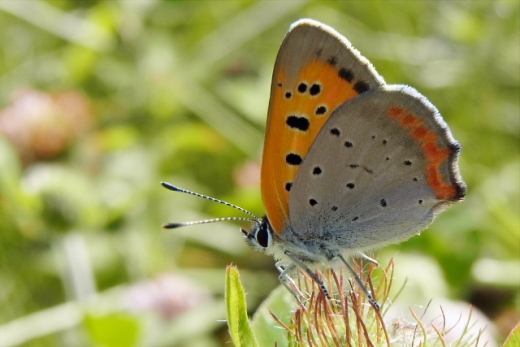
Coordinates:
[350,163]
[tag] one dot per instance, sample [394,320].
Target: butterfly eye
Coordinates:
[262,236]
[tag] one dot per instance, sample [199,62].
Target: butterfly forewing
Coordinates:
[316,71]
[379,170]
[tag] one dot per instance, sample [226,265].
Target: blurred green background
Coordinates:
[102,100]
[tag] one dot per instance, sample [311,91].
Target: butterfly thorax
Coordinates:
[263,238]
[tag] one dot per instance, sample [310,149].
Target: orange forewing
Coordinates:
[280,139]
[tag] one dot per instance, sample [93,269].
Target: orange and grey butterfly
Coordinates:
[349,164]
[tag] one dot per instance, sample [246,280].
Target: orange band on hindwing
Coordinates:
[435,155]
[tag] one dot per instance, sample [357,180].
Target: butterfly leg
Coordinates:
[288,282]
[308,272]
[361,285]
[367,258]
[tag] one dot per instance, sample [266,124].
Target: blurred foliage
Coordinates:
[102,100]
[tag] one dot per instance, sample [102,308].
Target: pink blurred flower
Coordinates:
[169,295]
[43,125]
[248,175]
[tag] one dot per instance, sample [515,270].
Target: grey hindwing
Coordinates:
[364,183]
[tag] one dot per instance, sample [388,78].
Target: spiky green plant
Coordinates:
[348,319]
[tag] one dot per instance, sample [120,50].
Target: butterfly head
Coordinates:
[260,238]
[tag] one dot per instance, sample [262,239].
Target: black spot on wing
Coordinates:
[361,87]
[293,159]
[315,89]
[347,75]
[321,110]
[299,123]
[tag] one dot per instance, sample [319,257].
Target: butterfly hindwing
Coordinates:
[316,71]
[380,169]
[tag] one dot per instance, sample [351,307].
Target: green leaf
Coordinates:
[513,340]
[238,321]
[113,329]
[270,332]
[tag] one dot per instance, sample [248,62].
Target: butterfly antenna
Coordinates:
[181,190]
[205,221]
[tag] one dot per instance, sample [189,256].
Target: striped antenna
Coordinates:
[205,221]
[181,190]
